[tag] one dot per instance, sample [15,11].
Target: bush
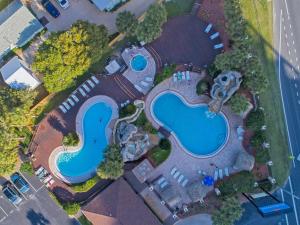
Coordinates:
[258,139]
[255,120]
[213,71]
[262,155]
[71,208]
[71,139]
[143,122]
[240,182]
[202,87]
[165,144]
[238,103]
[166,73]
[84,221]
[127,110]
[126,22]
[158,155]
[26,167]
[85,186]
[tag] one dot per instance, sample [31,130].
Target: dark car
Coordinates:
[11,193]
[50,8]
[19,182]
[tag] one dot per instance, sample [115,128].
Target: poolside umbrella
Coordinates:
[208,181]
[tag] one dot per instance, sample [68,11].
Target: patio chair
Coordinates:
[82,92]
[187,74]
[216,174]
[40,169]
[226,171]
[221,173]
[185,182]
[42,174]
[47,179]
[86,87]
[149,79]
[176,174]
[91,83]
[75,98]
[173,170]
[145,84]
[164,184]
[49,184]
[62,109]
[208,28]
[214,36]
[180,178]
[66,105]
[95,80]
[71,102]
[174,77]
[218,46]
[161,180]
[183,75]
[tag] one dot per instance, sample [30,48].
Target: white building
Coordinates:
[17,75]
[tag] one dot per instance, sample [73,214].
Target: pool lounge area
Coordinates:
[93,122]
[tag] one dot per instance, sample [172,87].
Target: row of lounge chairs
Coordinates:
[219,173]
[213,36]
[44,176]
[180,76]
[72,100]
[147,83]
[181,179]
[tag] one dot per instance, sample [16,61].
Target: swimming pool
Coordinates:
[82,163]
[198,133]
[138,63]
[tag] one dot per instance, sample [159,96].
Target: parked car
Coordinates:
[63,3]
[11,193]
[50,8]
[19,182]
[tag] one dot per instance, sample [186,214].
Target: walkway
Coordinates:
[203,219]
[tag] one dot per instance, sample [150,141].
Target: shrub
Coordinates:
[255,120]
[84,221]
[143,122]
[165,144]
[238,103]
[258,139]
[71,139]
[127,110]
[166,73]
[202,87]
[126,22]
[85,186]
[71,208]
[26,167]
[262,155]
[158,155]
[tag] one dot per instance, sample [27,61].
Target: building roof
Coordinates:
[17,76]
[17,26]
[118,204]
[106,4]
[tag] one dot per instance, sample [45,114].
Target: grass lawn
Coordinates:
[179,7]
[259,16]
[84,221]
[158,155]
[4,3]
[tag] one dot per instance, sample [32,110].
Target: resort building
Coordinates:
[17,27]
[17,75]
[118,204]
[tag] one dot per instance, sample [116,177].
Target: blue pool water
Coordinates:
[138,63]
[200,134]
[84,161]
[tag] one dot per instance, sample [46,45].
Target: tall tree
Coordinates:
[150,28]
[15,115]
[126,22]
[69,54]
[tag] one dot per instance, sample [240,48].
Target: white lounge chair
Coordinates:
[149,79]
[176,174]
[188,77]
[40,169]
[75,98]
[47,179]
[218,46]
[174,77]
[62,109]
[164,184]
[95,80]
[214,36]
[173,170]
[86,87]
[208,28]
[138,88]
[184,183]
[49,184]
[91,83]
[145,84]
[226,171]
[180,178]
[183,75]
[71,102]
[82,92]
[216,174]
[221,174]
[161,180]
[66,105]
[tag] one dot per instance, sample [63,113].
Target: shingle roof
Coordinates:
[17,26]
[118,204]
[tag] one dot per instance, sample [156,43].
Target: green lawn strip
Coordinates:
[85,186]
[259,16]
[178,7]
[4,3]
[84,221]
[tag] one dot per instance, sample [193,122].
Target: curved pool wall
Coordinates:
[212,148]
[138,63]
[77,164]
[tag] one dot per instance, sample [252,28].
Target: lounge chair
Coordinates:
[161,180]
[184,183]
[173,170]
[216,174]
[221,173]
[145,84]
[226,171]
[180,178]
[188,77]
[90,83]
[95,80]
[82,92]
[66,105]
[208,28]
[62,109]
[176,174]
[214,36]
[47,179]
[86,87]
[174,77]
[40,169]
[75,98]
[179,75]
[218,46]
[149,79]
[183,75]
[138,88]
[42,174]
[71,102]
[49,184]
[127,101]
[164,184]
[200,172]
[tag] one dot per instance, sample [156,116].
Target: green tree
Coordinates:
[238,103]
[255,120]
[15,115]
[202,87]
[150,28]
[229,212]
[126,22]
[71,139]
[112,165]
[66,55]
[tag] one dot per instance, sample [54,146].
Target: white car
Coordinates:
[63,3]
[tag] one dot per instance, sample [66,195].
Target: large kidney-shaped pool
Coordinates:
[198,132]
[82,163]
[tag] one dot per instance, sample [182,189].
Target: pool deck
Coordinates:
[186,163]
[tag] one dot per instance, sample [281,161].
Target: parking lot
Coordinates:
[36,208]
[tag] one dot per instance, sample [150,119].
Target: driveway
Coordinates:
[85,10]
[36,208]
[203,219]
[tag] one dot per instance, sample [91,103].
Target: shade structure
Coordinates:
[208,181]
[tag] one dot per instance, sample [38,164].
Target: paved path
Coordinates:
[203,219]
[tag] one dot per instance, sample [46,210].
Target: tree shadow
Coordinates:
[57,124]
[36,218]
